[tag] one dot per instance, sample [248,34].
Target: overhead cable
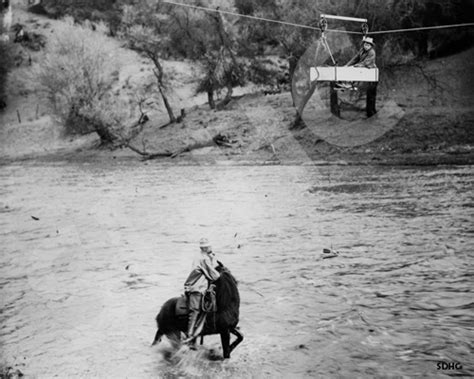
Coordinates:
[205,9]
[424,28]
[253,17]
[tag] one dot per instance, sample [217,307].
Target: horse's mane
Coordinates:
[227,293]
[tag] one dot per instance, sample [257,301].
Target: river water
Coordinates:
[90,251]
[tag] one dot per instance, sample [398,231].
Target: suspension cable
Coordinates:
[255,17]
[205,9]
[424,28]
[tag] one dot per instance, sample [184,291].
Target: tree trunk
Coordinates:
[159,77]
[227,98]
[105,136]
[85,123]
[306,98]
[292,62]
[167,105]
[227,44]
[210,99]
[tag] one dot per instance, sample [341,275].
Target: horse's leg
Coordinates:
[225,339]
[240,338]
[175,338]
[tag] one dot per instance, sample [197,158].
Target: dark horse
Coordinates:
[224,321]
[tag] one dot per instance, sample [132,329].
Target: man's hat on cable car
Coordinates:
[368,40]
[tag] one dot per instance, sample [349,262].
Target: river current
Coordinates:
[90,251]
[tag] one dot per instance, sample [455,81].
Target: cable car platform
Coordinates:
[343,74]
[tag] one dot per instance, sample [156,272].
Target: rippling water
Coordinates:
[90,252]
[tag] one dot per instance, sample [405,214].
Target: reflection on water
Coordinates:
[89,254]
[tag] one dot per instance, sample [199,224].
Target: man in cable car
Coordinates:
[365,57]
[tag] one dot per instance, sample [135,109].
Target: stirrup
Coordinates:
[190,339]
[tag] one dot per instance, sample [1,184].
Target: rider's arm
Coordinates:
[368,61]
[208,270]
[192,279]
[355,59]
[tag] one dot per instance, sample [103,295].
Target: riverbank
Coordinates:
[258,130]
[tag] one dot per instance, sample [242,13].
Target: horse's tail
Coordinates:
[164,320]
[158,336]
[158,333]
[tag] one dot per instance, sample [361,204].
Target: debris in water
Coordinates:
[330,253]
[302,346]
[35,218]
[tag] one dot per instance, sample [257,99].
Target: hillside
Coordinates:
[436,126]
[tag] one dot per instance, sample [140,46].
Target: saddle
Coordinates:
[208,303]
[182,306]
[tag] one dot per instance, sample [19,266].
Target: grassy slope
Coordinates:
[436,128]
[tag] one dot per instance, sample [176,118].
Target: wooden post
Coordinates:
[335,110]
[371,99]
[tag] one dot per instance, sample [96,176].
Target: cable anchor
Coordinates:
[365,29]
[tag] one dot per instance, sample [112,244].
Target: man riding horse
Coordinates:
[203,273]
[221,301]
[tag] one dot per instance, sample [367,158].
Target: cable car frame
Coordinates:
[334,74]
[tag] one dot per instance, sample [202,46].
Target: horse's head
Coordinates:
[226,275]
[227,292]
[221,268]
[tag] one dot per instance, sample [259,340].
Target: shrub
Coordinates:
[76,73]
[244,6]
[6,62]
[79,9]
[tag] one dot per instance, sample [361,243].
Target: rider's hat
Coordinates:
[368,40]
[204,242]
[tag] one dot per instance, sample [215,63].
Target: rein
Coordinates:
[209,303]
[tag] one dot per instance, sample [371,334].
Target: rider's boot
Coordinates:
[193,316]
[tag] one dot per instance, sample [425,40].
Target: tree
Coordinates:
[144,40]
[142,27]
[192,34]
[76,74]
[222,69]
[292,40]
[6,63]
